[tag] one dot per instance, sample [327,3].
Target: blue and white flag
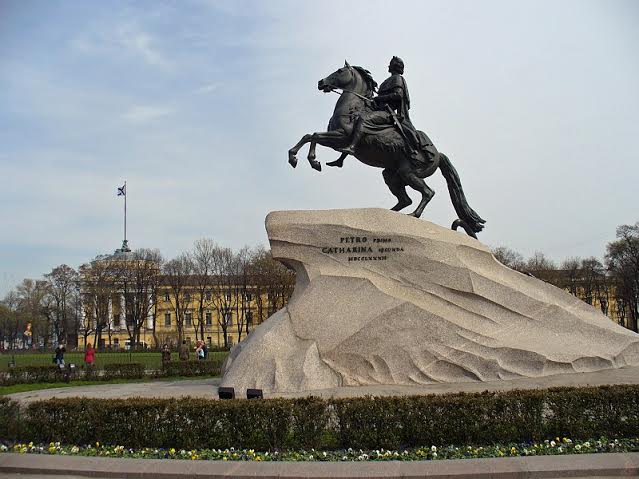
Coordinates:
[122,190]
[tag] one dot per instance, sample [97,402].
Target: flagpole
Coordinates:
[125,212]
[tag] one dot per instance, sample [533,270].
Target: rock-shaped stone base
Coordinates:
[384,298]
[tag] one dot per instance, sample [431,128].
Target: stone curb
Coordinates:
[540,467]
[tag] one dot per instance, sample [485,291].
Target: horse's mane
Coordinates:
[370,83]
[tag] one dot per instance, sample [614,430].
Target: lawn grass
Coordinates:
[151,360]
[21,388]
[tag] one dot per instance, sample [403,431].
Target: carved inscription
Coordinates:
[366,249]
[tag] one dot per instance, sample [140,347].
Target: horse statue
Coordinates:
[385,150]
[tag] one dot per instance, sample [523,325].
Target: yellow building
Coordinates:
[220,310]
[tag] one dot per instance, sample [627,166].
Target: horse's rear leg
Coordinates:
[418,184]
[397,187]
[292,159]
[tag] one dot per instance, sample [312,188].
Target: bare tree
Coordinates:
[99,283]
[509,257]
[177,276]
[273,282]
[31,296]
[225,269]
[622,261]
[62,282]
[203,260]
[543,268]
[569,275]
[244,291]
[139,277]
[594,283]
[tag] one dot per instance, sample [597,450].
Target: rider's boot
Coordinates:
[356,136]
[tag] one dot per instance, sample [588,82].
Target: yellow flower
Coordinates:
[258,458]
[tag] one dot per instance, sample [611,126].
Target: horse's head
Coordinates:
[351,78]
[341,78]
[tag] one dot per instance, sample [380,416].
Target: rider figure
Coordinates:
[394,93]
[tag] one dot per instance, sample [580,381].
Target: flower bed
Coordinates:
[555,446]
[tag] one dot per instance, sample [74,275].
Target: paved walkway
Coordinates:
[584,466]
[207,388]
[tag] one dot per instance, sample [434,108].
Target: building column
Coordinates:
[110,314]
[149,316]
[122,311]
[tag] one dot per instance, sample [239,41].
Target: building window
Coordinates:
[209,319]
[167,319]
[228,296]
[187,296]
[228,318]
[208,296]
[167,298]
[188,318]
[249,317]
[248,296]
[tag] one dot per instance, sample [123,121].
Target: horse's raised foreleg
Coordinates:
[292,158]
[316,165]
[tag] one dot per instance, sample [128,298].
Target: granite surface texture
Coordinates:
[382,298]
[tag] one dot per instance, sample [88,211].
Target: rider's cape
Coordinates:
[388,85]
[422,141]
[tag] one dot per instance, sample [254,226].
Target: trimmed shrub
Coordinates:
[123,371]
[9,419]
[360,423]
[51,374]
[32,374]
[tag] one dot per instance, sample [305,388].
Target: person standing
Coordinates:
[200,350]
[166,353]
[89,355]
[59,354]
[184,351]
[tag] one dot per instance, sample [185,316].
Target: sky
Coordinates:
[195,103]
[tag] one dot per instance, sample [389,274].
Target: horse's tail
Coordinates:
[466,214]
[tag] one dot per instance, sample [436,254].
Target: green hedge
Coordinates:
[366,423]
[32,374]
[9,419]
[123,371]
[53,374]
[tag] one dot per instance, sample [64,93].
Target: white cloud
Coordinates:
[142,44]
[145,113]
[124,38]
[208,88]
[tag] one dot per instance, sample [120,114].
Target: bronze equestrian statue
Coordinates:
[378,132]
